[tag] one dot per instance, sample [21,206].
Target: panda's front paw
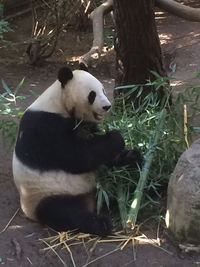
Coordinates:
[86,130]
[116,141]
[133,157]
[84,134]
[129,157]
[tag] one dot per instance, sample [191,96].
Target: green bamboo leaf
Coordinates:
[124,87]
[130,92]
[18,86]
[6,87]
[139,92]
[106,198]
[196,129]
[99,200]
[22,97]
[156,74]
[173,68]
[34,93]
[2,96]
[21,113]
[133,106]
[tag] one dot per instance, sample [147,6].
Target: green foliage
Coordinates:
[4,27]
[138,126]
[109,36]
[10,113]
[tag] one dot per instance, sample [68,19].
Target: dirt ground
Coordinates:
[19,245]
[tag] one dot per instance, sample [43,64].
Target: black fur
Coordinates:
[64,75]
[64,213]
[128,157]
[82,66]
[48,141]
[91,97]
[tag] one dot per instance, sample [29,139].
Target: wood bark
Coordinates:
[137,45]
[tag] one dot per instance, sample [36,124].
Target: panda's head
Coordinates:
[83,95]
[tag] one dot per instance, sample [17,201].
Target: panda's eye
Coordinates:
[91,97]
[104,91]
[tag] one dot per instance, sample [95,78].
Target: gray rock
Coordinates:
[183,203]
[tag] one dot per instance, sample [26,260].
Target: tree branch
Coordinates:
[171,6]
[179,10]
[97,23]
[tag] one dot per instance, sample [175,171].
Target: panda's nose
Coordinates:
[107,107]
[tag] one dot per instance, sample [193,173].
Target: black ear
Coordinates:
[64,75]
[82,66]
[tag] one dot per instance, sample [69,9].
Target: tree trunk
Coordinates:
[137,44]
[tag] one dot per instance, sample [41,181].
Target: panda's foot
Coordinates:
[63,213]
[95,224]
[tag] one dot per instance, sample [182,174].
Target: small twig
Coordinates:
[17,248]
[50,247]
[185,126]
[153,243]
[134,249]
[7,225]
[189,248]
[29,260]
[126,242]
[158,232]
[70,253]
[17,14]
[100,257]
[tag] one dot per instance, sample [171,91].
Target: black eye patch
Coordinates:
[91,97]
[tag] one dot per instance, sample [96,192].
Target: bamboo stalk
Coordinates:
[133,212]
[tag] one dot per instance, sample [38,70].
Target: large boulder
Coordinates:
[183,203]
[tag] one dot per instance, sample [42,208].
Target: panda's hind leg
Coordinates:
[63,213]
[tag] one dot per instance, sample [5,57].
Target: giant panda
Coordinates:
[59,148]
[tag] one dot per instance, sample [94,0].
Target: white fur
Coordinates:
[50,100]
[33,185]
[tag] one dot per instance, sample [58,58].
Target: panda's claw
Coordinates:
[134,157]
[131,157]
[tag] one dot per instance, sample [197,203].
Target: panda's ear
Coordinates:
[82,66]
[64,75]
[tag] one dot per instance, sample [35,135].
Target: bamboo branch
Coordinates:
[135,206]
